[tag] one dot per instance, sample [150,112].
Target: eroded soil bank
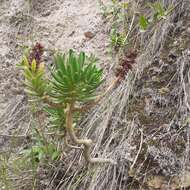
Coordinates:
[143,124]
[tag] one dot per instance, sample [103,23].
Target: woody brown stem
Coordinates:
[69,145]
[85,142]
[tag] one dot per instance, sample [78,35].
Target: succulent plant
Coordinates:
[75,78]
[34,77]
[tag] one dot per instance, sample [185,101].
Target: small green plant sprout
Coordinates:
[116,12]
[108,10]
[158,13]
[143,23]
[33,71]
[41,150]
[70,89]
[118,39]
[114,9]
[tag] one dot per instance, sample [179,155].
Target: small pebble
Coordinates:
[89,35]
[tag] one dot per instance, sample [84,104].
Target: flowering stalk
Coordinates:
[36,54]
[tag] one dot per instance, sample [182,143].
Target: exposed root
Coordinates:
[69,145]
[94,160]
[85,142]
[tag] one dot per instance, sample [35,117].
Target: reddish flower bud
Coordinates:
[36,53]
[126,64]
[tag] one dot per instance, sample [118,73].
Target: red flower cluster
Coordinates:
[36,53]
[126,64]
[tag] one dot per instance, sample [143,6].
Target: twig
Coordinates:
[140,147]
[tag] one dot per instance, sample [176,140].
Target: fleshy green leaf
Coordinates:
[144,23]
[79,79]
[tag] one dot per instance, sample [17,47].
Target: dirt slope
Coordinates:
[143,124]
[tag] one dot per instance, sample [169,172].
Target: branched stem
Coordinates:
[85,142]
[69,145]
